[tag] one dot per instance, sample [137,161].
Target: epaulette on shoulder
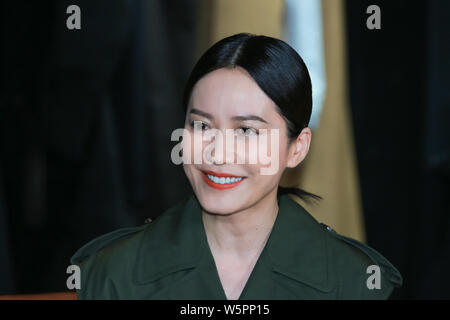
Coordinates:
[387,268]
[99,243]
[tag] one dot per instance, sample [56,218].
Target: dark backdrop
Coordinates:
[400,100]
[85,123]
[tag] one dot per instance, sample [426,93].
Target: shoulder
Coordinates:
[117,239]
[104,259]
[108,262]
[334,266]
[360,271]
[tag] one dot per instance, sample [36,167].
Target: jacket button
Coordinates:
[148,220]
[327,227]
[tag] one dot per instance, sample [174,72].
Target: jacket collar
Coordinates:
[172,242]
[297,246]
[176,240]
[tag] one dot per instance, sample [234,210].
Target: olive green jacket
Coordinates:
[170,258]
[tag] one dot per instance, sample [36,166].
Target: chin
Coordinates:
[222,202]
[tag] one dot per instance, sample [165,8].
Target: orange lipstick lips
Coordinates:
[220,186]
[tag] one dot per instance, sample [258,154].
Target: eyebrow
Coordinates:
[202,113]
[235,118]
[248,117]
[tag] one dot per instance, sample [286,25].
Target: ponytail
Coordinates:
[302,194]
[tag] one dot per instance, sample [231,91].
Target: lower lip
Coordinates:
[219,186]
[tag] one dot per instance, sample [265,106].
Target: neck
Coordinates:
[244,231]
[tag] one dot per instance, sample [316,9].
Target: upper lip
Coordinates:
[221,174]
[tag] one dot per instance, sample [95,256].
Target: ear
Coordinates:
[299,148]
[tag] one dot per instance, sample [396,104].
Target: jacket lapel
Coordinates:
[175,247]
[298,247]
[294,263]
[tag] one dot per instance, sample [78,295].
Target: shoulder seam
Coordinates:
[393,274]
[103,241]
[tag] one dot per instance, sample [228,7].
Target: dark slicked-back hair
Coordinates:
[277,69]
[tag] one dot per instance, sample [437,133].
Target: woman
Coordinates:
[240,236]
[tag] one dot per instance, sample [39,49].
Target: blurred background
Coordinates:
[86,117]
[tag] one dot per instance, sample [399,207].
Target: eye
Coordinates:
[199,124]
[246,131]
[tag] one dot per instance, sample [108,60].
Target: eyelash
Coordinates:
[192,124]
[248,128]
[202,123]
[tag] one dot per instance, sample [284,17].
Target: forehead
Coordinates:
[230,91]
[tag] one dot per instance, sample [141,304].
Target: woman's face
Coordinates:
[227,181]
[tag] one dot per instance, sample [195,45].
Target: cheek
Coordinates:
[283,153]
[258,149]
[191,146]
[187,145]
[271,152]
